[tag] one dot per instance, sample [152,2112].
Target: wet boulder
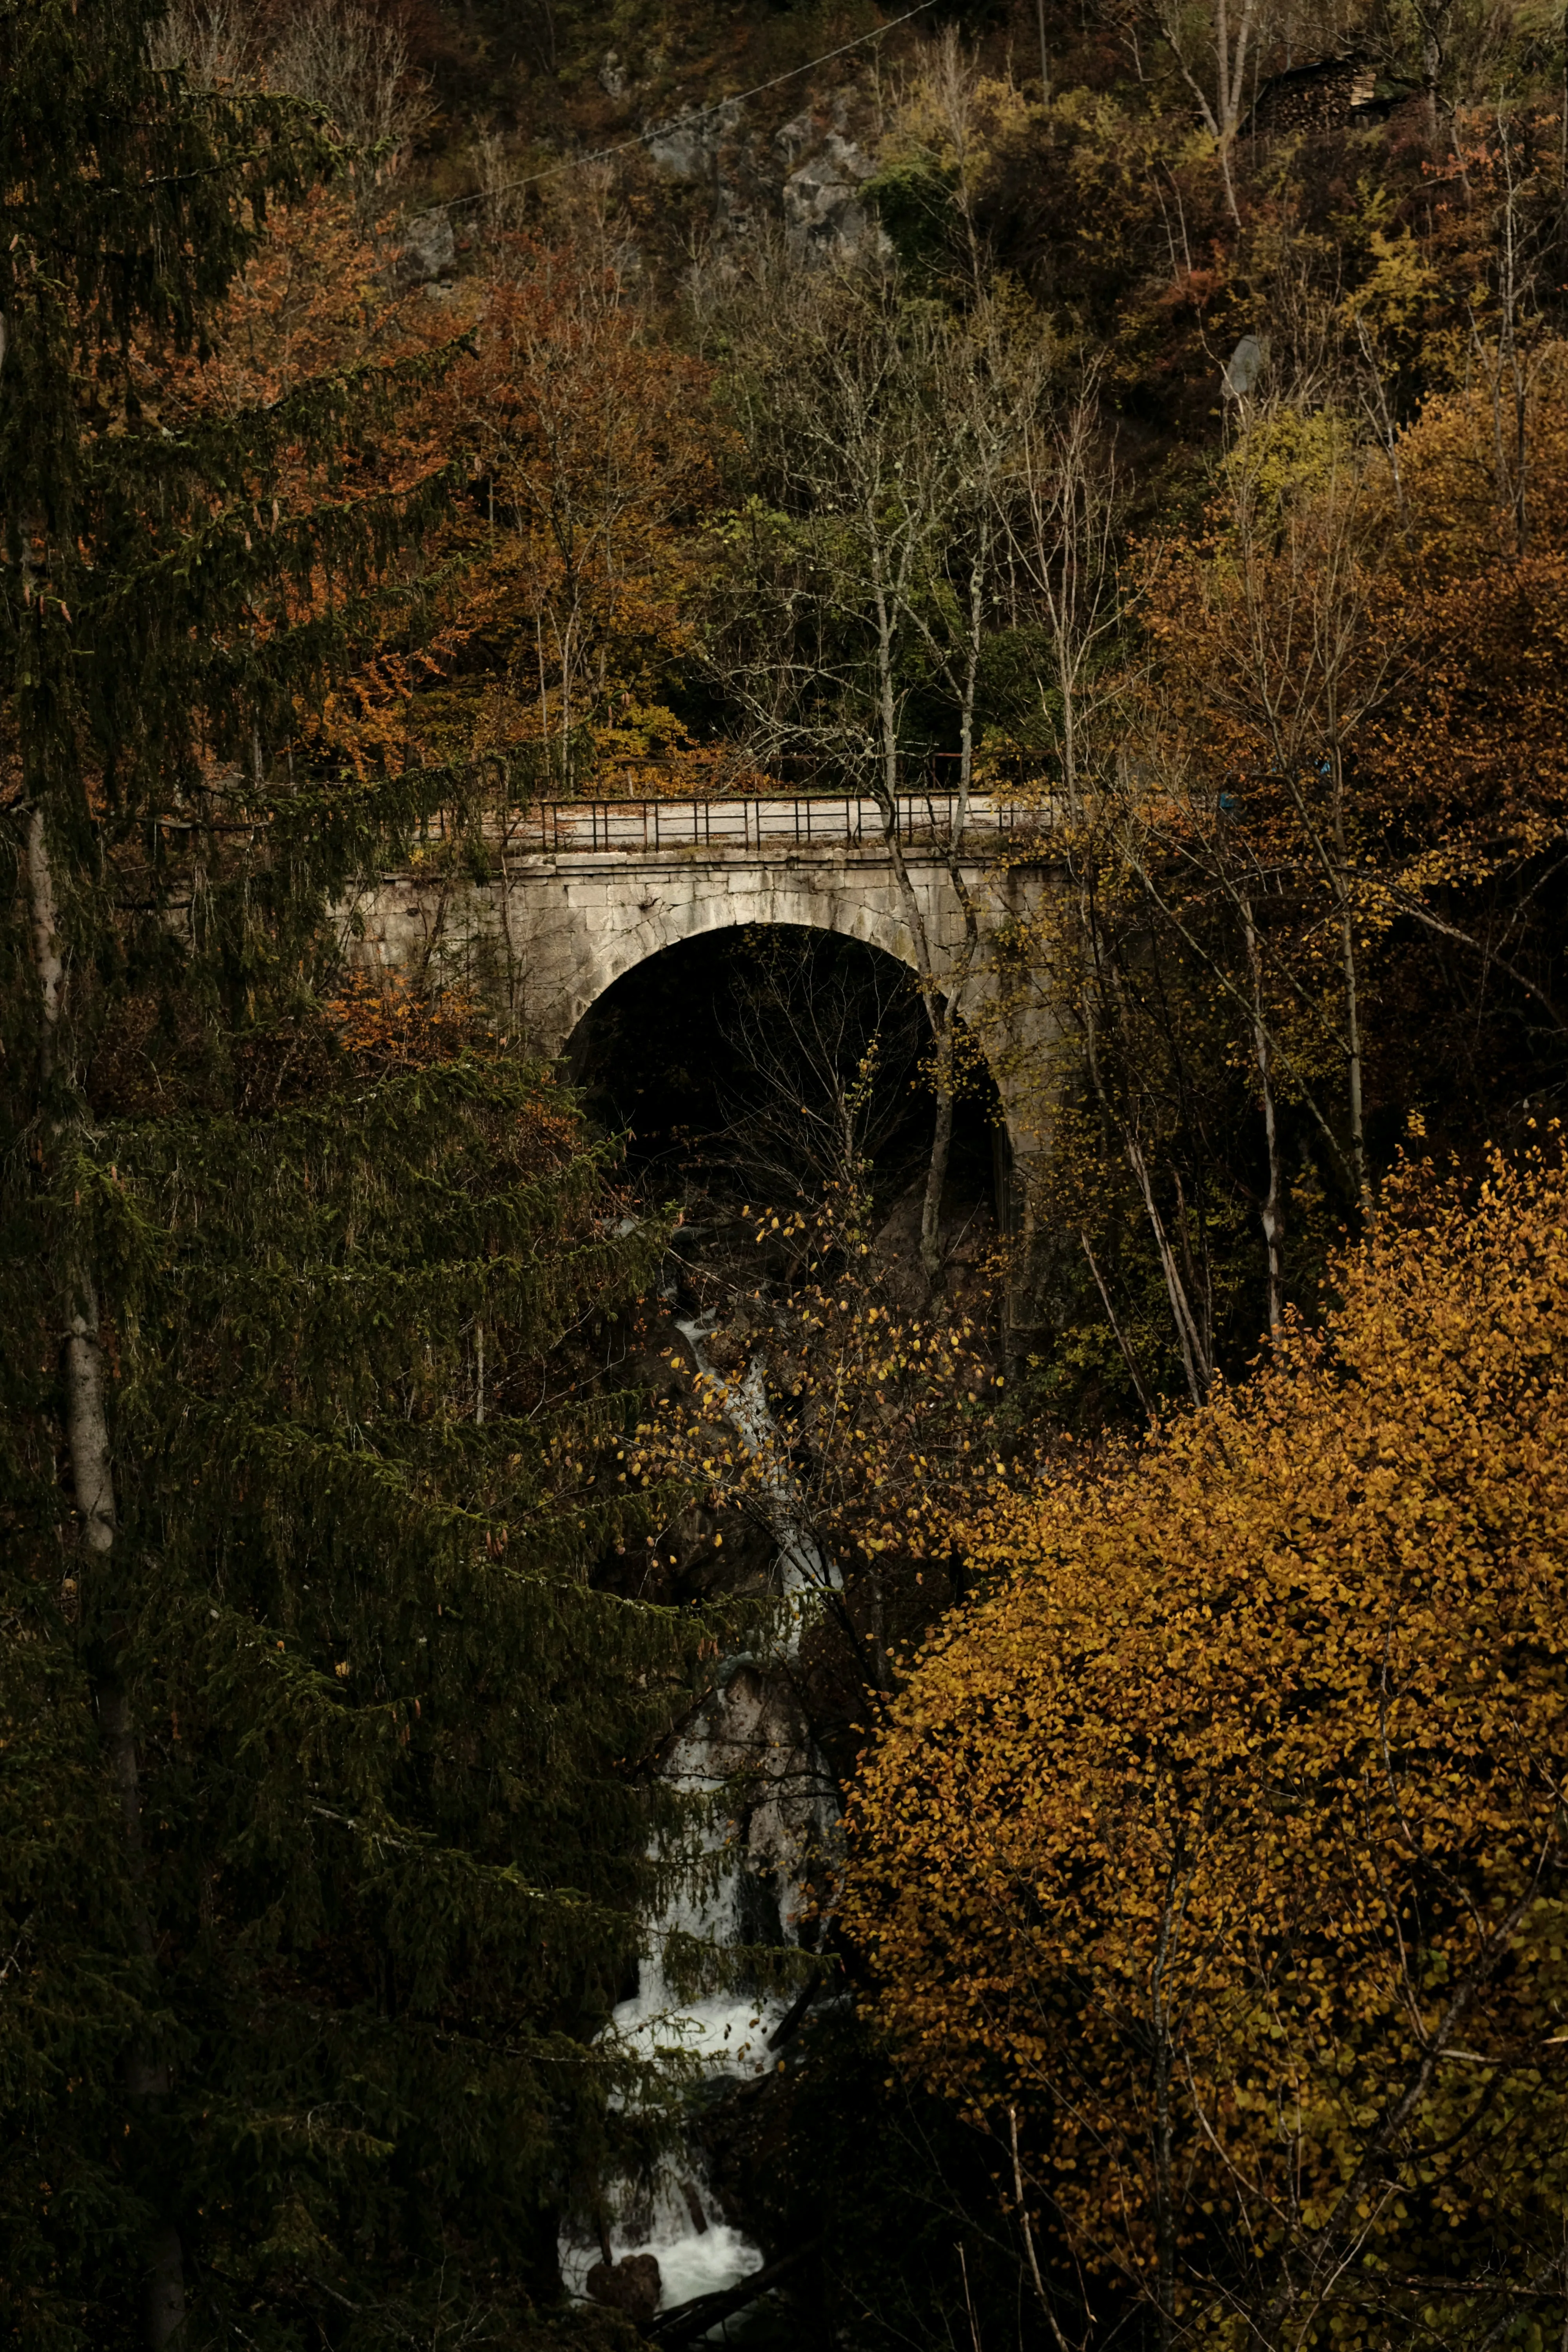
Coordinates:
[632,2285]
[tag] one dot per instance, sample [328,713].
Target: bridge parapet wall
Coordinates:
[767,822]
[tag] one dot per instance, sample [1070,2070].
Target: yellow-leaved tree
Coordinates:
[1214,1860]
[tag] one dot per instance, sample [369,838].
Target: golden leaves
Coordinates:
[1248,1761]
[881,1423]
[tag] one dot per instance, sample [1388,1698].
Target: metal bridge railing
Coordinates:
[761,822]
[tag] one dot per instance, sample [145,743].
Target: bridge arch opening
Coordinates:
[771,908]
[755,1062]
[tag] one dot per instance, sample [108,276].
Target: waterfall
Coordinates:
[754,1890]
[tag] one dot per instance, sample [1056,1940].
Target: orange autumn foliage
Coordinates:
[549,613]
[1407,623]
[324,359]
[592,457]
[1224,1841]
[318,298]
[1478,733]
[378,1018]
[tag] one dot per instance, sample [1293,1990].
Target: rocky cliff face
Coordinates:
[806,178]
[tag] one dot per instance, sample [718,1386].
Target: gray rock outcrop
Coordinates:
[824,215]
[807,177]
[429,247]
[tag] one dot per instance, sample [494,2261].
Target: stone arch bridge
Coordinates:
[579,893]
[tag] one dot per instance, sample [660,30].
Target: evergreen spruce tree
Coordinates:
[321,1818]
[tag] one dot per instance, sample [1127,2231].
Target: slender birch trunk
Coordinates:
[1271,1215]
[946,1075]
[1026,2227]
[1166,2230]
[1193,1337]
[1232,48]
[939,1011]
[1354,1103]
[93,1488]
[1134,1370]
[1196,1359]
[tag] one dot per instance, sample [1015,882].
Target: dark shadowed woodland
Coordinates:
[875,1662]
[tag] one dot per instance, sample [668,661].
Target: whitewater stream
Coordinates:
[751,1887]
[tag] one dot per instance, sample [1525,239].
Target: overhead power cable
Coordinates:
[680,121]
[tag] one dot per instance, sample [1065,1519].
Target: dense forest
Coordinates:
[866,1650]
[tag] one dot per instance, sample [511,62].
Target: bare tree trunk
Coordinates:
[1354,1091]
[1164,2124]
[1232,83]
[1310,707]
[1198,1360]
[1272,1214]
[940,1154]
[1063,542]
[46,943]
[938,1012]
[1375,400]
[1134,1370]
[877,1640]
[945,1073]
[1509,371]
[508,942]
[1430,19]
[92,1486]
[1058,2338]
[1232,48]
[1354,1053]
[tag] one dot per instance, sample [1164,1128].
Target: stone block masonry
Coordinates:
[584,900]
